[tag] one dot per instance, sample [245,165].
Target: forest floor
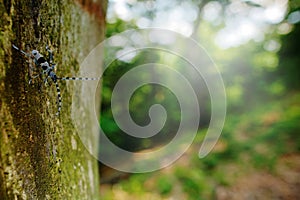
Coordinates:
[257,157]
[283,183]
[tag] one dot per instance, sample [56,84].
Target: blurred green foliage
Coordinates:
[288,69]
[262,123]
[164,185]
[251,141]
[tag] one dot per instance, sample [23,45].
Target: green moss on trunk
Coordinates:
[41,156]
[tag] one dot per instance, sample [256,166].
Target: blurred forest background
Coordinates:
[255,45]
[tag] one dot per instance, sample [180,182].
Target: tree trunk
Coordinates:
[41,155]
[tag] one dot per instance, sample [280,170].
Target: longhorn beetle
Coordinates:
[47,68]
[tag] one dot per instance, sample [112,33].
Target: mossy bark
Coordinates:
[41,155]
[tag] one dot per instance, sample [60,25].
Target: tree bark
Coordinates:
[41,155]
